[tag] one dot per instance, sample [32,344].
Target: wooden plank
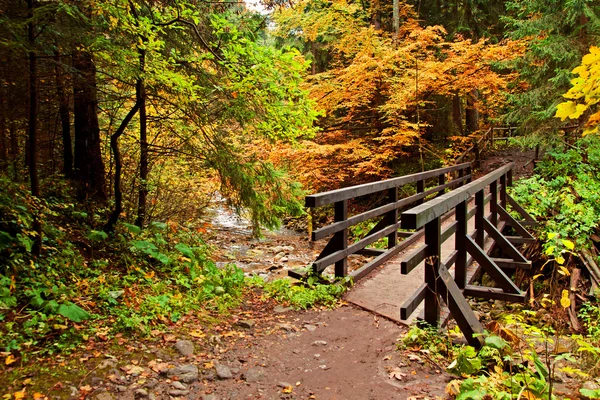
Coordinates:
[519,240]
[493,294]
[411,304]
[519,209]
[512,222]
[353,248]
[413,259]
[509,263]
[340,238]
[369,251]
[418,216]
[490,267]
[333,196]
[460,268]
[432,264]
[376,212]
[392,217]
[448,231]
[502,242]
[377,261]
[459,308]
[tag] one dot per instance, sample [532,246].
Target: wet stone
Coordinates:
[177,393]
[246,324]
[186,373]
[178,385]
[185,347]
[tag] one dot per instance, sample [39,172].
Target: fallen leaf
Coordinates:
[19,395]
[38,395]
[9,360]
[397,374]
[387,358]
[287,389]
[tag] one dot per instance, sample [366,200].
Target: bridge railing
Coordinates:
[438,281]
[485,141]
[338,249]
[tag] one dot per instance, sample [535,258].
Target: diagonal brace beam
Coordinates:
[490,267]
[502,241]
[459,307]
[513,222]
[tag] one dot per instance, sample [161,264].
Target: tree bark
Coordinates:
[4,161]
[472,114]
[143,189]
[114,145]
[65,118]
[33,106]
[89,167]
[457,113]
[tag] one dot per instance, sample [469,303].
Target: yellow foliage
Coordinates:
[585,93]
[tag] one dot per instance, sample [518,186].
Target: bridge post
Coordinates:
[479,217]
[392,218]
[441,181]
[341,237]
[420,189]
[460,266]
[503,191]
[494,202]
[432,265]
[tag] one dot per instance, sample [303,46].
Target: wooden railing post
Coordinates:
[469,171]
[460,237]
[477,156]
[494,202]
[503,191]
[341,238]
[420,189]
[479,216]
[441,181]
[433,233]
[392,218]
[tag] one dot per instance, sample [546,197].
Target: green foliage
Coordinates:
[565,194]
[589,314]
[304,296]
[361,229]
[557,34]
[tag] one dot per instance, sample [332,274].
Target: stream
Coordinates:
[270,256]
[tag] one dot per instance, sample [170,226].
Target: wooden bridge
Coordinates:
[441,227]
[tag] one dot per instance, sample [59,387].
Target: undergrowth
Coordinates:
[90,283]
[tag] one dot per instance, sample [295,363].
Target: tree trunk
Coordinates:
[396,17]
[114,145]
[65,119]
[33,105]
[89,167]
[143,190]
[4,161]
[472,114]
[457,117]
[14,149]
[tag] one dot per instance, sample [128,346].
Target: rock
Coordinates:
[223,371]
[287,327]
[185,347]
[177,393]
[186,373]
[178,385]
[284,384]
[209,397]
[254,374]
[141,393]
[284,259]
[103,396]
[246,324]
[319,343]
[121,388]
[151,384]
[310,328]
[281,309]
[151,396]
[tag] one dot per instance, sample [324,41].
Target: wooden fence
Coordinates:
[438,280]
[338,249]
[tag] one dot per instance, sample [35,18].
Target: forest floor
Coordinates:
[260,350]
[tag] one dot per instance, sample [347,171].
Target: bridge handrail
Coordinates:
[333,196]
[418,216]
